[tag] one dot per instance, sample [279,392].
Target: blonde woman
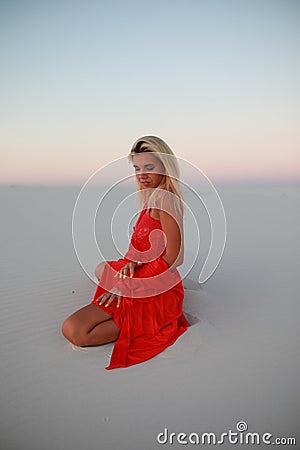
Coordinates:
[138,301]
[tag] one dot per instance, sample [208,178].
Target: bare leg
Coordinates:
[90,326]
[99,269]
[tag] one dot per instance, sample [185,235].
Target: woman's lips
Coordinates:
[145,183]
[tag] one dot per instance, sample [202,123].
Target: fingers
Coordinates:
[131,269]
[128,269]
[103,298]
[109,297]
[122,272]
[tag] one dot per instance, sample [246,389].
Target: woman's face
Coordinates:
[149,170]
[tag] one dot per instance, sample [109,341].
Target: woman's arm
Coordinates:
[174,239]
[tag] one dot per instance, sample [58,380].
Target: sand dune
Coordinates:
[239,360]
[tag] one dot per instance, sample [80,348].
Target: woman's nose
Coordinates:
[143,174]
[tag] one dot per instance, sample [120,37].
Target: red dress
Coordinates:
[150,315]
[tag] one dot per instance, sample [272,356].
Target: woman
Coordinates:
[138,302]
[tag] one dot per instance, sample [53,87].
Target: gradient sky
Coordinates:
[82,80]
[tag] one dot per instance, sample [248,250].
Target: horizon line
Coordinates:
[221,183]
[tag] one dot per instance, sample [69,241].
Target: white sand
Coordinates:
[239,361]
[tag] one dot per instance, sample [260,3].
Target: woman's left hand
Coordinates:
[110,296]
[128,269]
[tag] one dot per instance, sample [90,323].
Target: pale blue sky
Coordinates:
[80,81]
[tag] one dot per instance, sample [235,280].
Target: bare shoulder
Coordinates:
[169,220]
[154,213]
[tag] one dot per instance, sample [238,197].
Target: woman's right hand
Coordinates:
[128,269]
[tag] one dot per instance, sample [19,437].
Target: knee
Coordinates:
[70,333]
[99,269]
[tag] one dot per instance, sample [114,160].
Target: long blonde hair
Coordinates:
[170,180]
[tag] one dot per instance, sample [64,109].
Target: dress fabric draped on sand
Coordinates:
[150,315]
